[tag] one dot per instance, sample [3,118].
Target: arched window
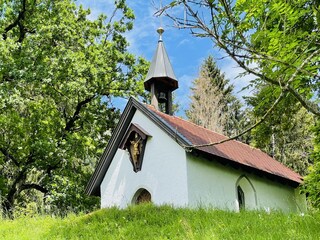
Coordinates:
[245,193]
[141,196]
[241,199]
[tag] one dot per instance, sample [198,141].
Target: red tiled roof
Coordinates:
[231,150]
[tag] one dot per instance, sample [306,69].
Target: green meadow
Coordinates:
[151,222]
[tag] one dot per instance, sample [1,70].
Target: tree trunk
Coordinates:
[8,203]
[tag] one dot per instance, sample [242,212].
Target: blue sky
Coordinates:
[185,51]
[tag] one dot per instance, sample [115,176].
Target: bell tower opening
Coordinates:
[161,80]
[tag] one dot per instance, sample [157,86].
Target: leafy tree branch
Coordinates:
[27,186]
[6,153]
[70,124]
[238,28]
[18,22]
[267,113]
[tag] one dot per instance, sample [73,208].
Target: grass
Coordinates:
[150,222]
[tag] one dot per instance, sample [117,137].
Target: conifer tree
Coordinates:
[212,104]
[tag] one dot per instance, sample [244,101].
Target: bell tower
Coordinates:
[160,80]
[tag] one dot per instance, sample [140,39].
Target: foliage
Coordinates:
[312,181]
[58,73]
[277,41]
[213,105]
[150,222]
[286,135]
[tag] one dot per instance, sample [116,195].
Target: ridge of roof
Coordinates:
[180,118]
[205,129]
[183,139]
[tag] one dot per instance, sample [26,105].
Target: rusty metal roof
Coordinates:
[233,151]
[160,67]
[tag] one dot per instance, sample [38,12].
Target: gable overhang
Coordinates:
[93,186]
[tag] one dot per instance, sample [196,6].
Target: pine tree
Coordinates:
[212,104]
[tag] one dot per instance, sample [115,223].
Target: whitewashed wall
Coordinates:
[210,184]
[214,185]
[163,171]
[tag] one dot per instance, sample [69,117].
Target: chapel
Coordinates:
[154,156]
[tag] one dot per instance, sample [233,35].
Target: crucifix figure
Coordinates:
[134,142]
[135,150]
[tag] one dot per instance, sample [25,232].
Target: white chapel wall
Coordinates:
[272,195]
[163,171]
[214,185]
[210,184]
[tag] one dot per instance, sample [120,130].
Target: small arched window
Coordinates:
[141,196]
[245,193]
[241,199]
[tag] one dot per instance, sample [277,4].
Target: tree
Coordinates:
[277,41]
[58,74]
[212,104]
[312,180]
[208,106]
[285,135]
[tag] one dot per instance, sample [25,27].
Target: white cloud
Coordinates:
[98,7]
[142,37]
[183,42]
[145,24]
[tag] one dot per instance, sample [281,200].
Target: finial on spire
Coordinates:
[160,30]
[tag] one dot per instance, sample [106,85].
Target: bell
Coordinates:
[162,97]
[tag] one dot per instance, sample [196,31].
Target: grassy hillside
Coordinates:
[149,222]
